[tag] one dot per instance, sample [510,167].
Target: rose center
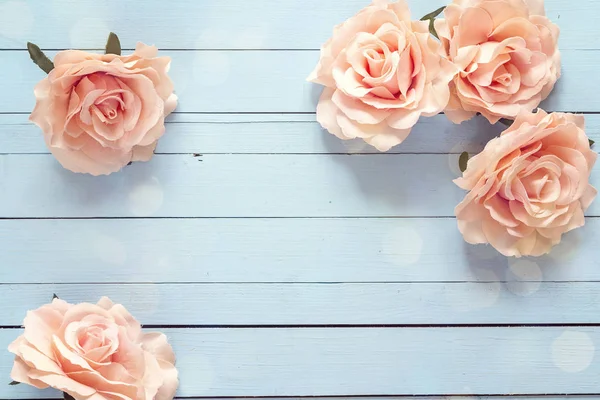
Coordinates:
[110,106]
[504,79]
[91,337]
[375,58]
[96,341]
[542,186]
[374,54]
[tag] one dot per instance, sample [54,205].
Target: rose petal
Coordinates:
[327,113]
[357,110]
[64,384]
[475,27]
[20,373]
[157,344]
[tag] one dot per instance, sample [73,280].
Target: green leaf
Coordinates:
[462,161]
[113,45]
[433,14]
[54,296]
[14,383]
[431,17]
[591,142]
[39,58]
[506,121]
[67,396]
[432,29]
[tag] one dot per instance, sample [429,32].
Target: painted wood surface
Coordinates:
[280,134]
[279,260]
[398,361]
[236,24]
[320,250]
[521,299]
[209,186]
[277,134]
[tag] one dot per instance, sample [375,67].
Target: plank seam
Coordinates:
[274,113]
[140,283]
[359,326]
[237,50]
[401,396]
[261,154]
[238,218]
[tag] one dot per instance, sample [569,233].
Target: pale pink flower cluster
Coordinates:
[382,71]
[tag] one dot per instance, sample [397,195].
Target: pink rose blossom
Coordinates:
[99,112]
[529,186]
[507,54]
[382,72]
[93,352]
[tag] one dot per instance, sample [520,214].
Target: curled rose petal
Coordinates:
[529,186]
[507,54]
[93,351]
[381,73]
[99,112]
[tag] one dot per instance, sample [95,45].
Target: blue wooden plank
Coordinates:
[275,134]
[515,301]
[274,81]
[234,186]
[280,134]
[274,250]
[373,361]
[267,362]
[380,185]
[235,24]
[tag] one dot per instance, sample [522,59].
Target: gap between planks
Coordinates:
[357,326]
[392,397]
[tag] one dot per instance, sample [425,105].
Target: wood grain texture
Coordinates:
[378,185]
[515,302]
[274,250]
[275,81]
[373,361]
[280,134]
[349,240]
[236,24]
[234,186]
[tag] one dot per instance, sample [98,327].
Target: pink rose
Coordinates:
[528,186]
[93,352]
[507,53]
[382,71]
[99,112]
